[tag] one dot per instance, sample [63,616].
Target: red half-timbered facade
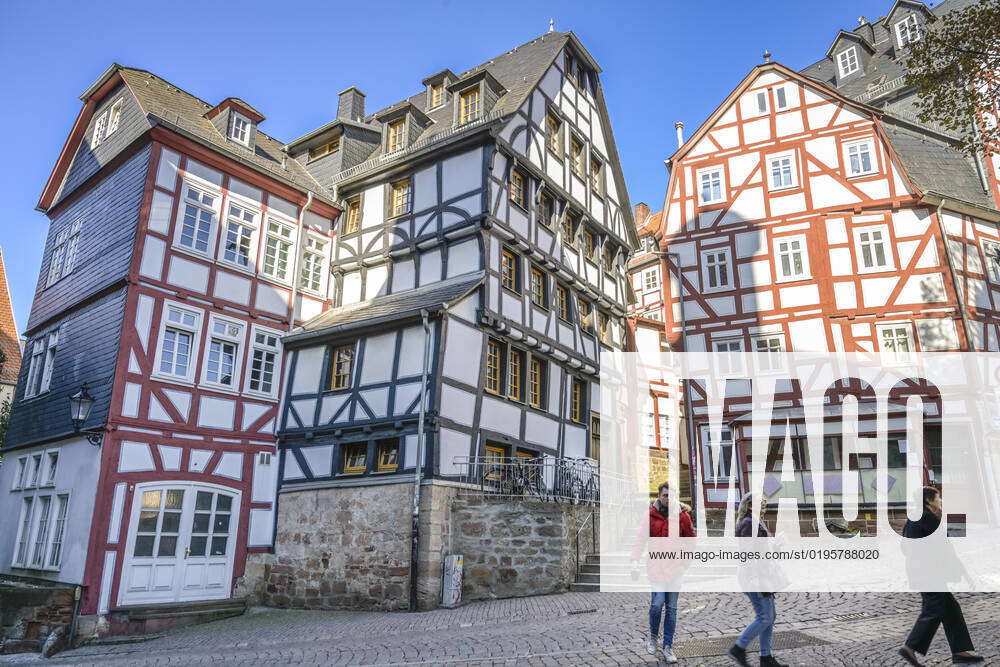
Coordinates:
[227,247]
[802,220]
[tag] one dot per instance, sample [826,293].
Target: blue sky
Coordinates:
[663,61]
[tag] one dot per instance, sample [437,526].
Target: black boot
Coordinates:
[739,655]
[770,661]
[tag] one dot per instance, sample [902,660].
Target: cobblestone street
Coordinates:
[567,629]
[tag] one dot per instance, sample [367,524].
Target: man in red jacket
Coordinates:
[662,572]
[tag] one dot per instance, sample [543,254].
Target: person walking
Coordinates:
[663,574]
[936,608]
[762,625]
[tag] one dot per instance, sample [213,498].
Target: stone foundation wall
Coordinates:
[514,549]
[34,618]
[349,548]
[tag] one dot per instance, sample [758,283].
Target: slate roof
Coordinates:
[518,71]
[935,164]
[930,159]
[390,308]
[166,104]
[9,341]
[883,66]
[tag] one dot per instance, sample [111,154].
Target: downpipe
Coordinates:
[418,472]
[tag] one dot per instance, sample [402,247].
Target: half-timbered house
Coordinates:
[182,245]
[486,222]
[812,211]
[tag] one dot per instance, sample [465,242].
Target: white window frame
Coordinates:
[25,523]
[309,251]
[779,270]
[58,530]
[21,475]
[193,330]
[718,169]
[780,98]
[233,133]
[730,349]
[844,61]
[50,470]
[908,31]
[889,265]
[770,359]
[868,142]
[234,333]
[761,104]
[792,167]
[41,364]
[114,117]
[706,267]
[239,220]
[62,259]
[255,346]
[892,356]
[266,235]
[712,468]
[991,258]
[651,279]
[98,135]
[40,532]
[200,206]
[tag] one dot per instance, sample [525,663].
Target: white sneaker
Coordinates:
[668,655]
[651,645]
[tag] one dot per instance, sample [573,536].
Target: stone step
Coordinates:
[232,607]
[21,646]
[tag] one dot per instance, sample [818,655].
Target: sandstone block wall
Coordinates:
[514,549]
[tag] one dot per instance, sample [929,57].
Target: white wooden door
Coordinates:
[181,543]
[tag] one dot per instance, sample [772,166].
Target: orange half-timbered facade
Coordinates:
[803,220]
[182,247]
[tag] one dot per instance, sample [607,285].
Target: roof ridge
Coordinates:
[471,70]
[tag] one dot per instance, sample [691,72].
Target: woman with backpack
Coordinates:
[762,625]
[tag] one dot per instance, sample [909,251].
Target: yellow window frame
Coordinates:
[351,451]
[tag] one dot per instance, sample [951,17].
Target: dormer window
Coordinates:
[325,149]
[847,61]
[395,139]
[114,117]
[469,106]
[437,95]
[239,128]
[907,30]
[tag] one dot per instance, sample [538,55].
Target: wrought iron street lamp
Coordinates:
[80,405]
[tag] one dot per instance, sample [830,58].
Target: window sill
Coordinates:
[510,291]
[784,188]
[718,290]
[191,252]
[250,393]
[793,279]
[708,207]
[540,306]
[41,394]
[172,379]
[863,174]
[519,206]
[236,266]
[565,321]
[879,269]
[557,156]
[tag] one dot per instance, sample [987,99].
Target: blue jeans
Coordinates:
[656,602]
[762,624]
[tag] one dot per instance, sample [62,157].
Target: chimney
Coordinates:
[351,104]
[679,126]
[641,213]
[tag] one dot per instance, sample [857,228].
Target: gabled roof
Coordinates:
[745,83]
[9,339]
[912,4]
[401,306]
[518,71]
[171,106]
[240,105]
[854,37]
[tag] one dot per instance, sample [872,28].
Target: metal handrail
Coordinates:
[548,478]
[881,89]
